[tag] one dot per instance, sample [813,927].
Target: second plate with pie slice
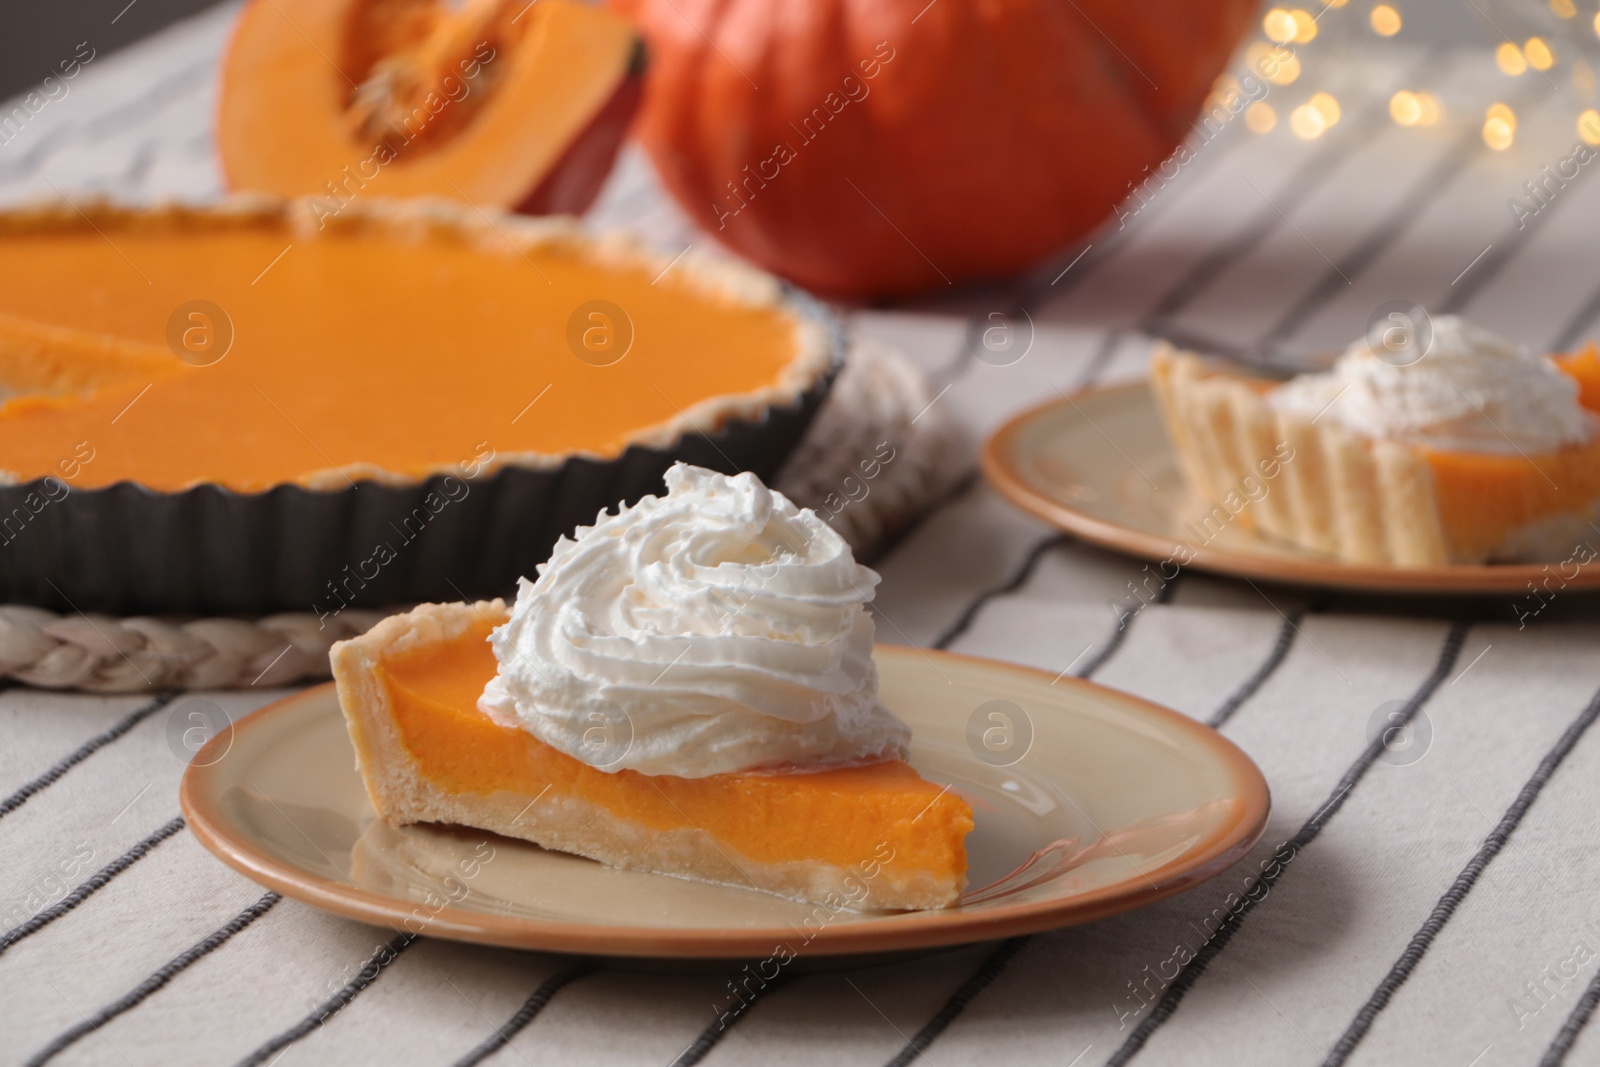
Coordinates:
[1100,466]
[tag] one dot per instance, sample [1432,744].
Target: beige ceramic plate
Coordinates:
[1099,465]
[1111,803]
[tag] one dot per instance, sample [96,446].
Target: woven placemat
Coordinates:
[878,452]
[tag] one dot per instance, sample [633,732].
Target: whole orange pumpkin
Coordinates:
[882,147]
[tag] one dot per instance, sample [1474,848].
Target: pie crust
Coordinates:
[406,786]
[1312,483]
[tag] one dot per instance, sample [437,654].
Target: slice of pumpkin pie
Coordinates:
[1457,447]
[688,688]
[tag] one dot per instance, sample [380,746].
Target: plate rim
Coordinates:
[902,932]
[997,460]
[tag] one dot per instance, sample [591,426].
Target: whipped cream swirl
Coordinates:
[1471,391]
[717,628]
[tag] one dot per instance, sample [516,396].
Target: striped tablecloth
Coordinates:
[1439,910]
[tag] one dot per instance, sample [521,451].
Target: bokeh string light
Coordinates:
[1499,127]
[1315,117]
[1589,126]
[1538,53]
[1414,109]
[1509,58]
[1278,25]
[1313,50]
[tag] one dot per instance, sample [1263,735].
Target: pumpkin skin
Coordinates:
[505,104]
[870,148]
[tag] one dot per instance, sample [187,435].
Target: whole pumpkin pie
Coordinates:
[261,407]
[262,344]
[1456,447]
[688,688]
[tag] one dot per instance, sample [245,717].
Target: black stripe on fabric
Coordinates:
[1305,180]
[1288,630]
[1098,362]
[370,970]
[980,980]
[83,752]
[162,975]
[1081,260]
[30,161]
[708,1038]
[144,158]
[1192,971]
[83,892]
[155,98]
[1017,580]
[1556,1054]
[957,492]
[1577,324]
[1120,633]
[1194,340]
[1423,939]
[1340,275]
[1451,166]
[536,1002]
[1481,273]
[1493,260]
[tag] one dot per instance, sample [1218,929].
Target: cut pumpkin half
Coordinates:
[503,103]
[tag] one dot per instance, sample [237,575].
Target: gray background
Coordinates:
[35,35]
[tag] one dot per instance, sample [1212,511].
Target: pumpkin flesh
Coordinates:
[499,103]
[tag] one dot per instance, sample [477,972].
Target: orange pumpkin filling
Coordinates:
[403,347]
[1482,497]
[1585,367]
[840,817]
